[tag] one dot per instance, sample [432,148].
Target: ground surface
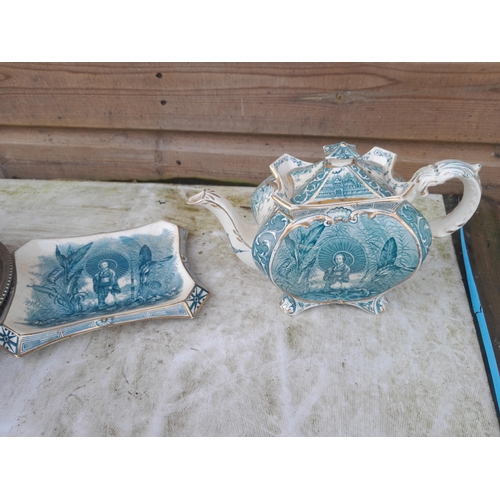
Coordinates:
[242,367]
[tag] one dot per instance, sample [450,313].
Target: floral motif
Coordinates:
[301,176]
[340,214]
[262,204]
[286,157]
[196,299]
[375,306]
[104,321]
[419,225]
[266,240]
[309,189]
[8,340]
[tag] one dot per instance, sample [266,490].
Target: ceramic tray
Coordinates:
[69,286]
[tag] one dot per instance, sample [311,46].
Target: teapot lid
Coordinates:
[343,175]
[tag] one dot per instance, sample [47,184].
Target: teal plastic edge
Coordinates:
[483,327]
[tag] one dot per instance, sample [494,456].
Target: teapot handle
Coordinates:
[439,173]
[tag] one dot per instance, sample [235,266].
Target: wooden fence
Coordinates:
[228,122]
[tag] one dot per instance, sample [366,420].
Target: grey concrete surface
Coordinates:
[242,367]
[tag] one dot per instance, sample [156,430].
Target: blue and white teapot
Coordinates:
[342,230]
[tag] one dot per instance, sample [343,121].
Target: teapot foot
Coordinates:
[376,305]
[292,306]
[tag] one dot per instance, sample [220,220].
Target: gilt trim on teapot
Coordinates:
[342,230]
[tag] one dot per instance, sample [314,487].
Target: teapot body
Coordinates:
[341,230]
[346,254]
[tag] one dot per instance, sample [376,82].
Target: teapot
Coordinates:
[341,230]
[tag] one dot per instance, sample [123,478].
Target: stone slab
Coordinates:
[242,367]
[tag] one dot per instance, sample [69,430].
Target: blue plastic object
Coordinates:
[483,327]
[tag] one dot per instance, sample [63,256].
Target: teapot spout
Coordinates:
[240,233]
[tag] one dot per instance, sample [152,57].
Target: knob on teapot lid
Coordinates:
[341,150]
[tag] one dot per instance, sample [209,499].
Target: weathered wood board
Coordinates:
[228,122]
[427,102]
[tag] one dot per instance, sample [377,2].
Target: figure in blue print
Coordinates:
[338,273]
[103,275]
[105,283]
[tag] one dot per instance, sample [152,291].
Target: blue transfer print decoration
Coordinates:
[418,224]
[102,277]
[196,299]
[310,188]
[288,158]
[266,239]
[302,175]
[341,230]
[340,183]
[340,151]
[32,342]
[8,340]
[374,306]
[262,204]
[350,260]
[374,186]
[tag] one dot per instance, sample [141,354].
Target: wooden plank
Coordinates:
[51,153]
[417,101]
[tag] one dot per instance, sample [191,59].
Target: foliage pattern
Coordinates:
[349,261]
[69,285]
